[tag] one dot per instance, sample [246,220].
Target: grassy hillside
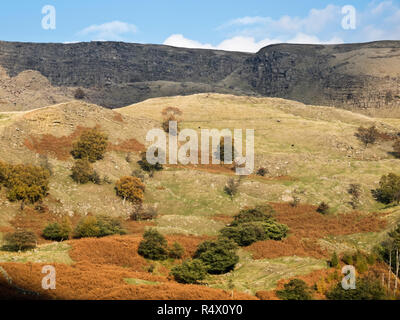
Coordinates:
[310,152]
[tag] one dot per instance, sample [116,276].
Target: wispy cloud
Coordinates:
[115,30]
[379,21]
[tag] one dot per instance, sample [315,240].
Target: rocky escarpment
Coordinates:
[351,76]
[115,74]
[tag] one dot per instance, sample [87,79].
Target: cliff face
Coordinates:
[115,74]
[348,76]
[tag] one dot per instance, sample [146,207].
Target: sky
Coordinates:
[245,25]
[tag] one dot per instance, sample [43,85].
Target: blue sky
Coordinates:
[229,25]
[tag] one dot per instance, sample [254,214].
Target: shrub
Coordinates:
[396,148]
[79,94]
[101,226]
[296,289]
[20,240]
[92,145]
[25,182]
[355,192]
[262,172]
[140,213]
[334,262]
[323,208]
[219,256]
[95,178]
[245,234]
[153,246]
[190,271]
[366,289]
[176,251]
[147,166]
[361,262]
[232,187]
[58,232]
[259,213]
[221,150]
[367,135]
[295,202]
[82,171]
[131,189]
[348,259]
[138,174]
[389,189]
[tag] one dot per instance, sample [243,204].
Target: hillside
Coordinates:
[361,77]
[310,153]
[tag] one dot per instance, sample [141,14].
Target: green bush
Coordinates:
[20,240]
[190,271]
[245,234]
[82,171]
[58,231]
[296,289]
[348,259]
[153,246]
[176,251]
[334,262]
[259,213]
[101,226]
[251,225]
[389,189]
[219,256]
[366,289]
[147,166]
[92,145]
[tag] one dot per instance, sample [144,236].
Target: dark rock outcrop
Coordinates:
[115,74]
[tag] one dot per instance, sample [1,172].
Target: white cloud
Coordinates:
[310,39]
[244,44]
[178,40]
[239,43]
[109,31]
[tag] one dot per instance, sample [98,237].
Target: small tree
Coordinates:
[367,135]
[296,289]
[92,145]
[147,166]
[366,289]
[153,246]
[79,94]
[232,187]
[100,226]
[396,148]
[131,189]
[140,213]
[26,183]
[355,192]
[82,171]
[176,251]
[170,114]
[262,172]
[219,256]
[389,189]
[190,271]
[323,208]
[58,231]
[20,240]
[334,262]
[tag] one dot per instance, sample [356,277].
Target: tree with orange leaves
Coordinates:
[131,189]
